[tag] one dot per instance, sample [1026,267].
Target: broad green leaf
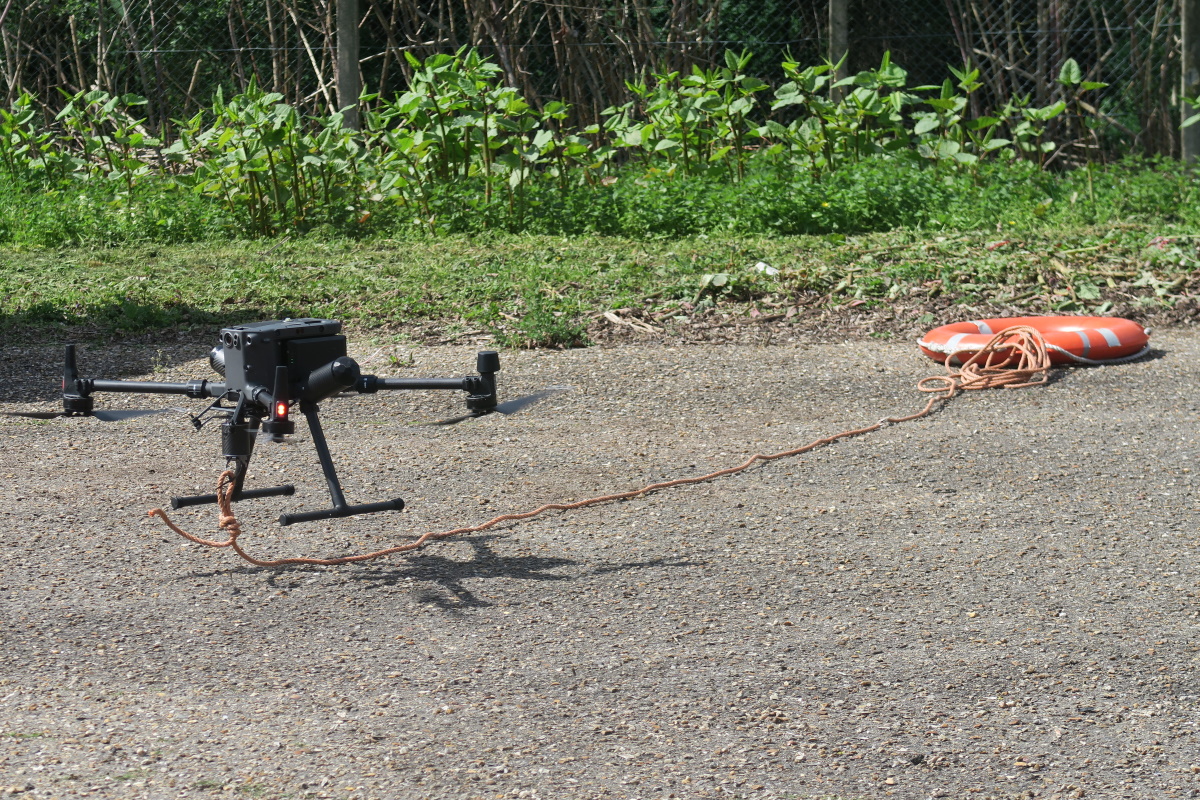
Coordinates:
[788,92]
[741,106]
[1070,74]
[948,148]
[926,124]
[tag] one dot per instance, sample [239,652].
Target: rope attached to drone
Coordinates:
[1015,357]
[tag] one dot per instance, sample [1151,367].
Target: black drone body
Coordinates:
[269,368]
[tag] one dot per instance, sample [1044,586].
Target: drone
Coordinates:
[269,369]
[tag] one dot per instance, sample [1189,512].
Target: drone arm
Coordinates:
[369,384]
[194,388]
[480,389]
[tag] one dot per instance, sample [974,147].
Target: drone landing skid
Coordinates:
[340,507]
[342,511]
[238,438]
[246,494]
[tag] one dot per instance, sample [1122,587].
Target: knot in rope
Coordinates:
[226,519]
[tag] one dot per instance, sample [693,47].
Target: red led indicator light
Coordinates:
[281,410]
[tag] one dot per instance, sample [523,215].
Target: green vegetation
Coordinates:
[545,291]
[458,152]
[872,196]
[462,208]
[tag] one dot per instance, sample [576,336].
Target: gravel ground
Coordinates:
[996,601]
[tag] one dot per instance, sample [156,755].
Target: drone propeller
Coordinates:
[34,414]
[78,403]
[516,404]
[103,415]
[456,420]
[120,415]
[507,407]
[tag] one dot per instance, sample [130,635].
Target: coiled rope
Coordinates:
[1015,357]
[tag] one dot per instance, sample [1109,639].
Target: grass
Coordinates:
[882,237]
[546,290]
[871,196]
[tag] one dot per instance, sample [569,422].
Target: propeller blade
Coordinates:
[455,420]
[516,404]
[120,415]
[35,414]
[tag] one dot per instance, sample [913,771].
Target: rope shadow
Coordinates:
[654,562]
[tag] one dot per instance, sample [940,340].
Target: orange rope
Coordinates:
[1015,357]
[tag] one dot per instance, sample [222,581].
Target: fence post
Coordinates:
[1189,138]
[839,40]
[346,71]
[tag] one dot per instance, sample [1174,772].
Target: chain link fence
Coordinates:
[1019,46]
[178,53]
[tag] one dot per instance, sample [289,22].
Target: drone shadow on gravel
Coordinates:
[439,581]
[449,574]
[435,580]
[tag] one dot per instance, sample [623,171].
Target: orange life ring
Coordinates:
[1083,340]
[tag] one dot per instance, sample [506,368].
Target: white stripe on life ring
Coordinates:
[983,327]
[1110,338]
[1087,343]
[952,343]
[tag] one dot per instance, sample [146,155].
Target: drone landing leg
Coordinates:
[338,498]
[238,440]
